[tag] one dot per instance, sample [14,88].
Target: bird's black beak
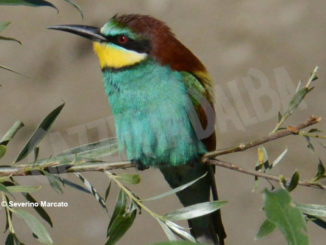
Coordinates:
[89,32]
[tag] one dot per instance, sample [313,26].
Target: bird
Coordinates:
[162,102]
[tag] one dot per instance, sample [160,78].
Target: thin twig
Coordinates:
[231,166]
[292,107]
[25,170]
[210,158]
[242,147]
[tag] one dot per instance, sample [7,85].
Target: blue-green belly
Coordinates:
[150,106]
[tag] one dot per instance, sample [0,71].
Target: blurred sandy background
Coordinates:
[230,37]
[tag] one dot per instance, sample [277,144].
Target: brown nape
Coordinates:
[165,47]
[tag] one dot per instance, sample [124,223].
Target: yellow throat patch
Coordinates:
[114,57]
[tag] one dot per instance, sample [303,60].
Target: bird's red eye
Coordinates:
[122,39]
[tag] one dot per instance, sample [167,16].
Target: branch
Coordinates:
[242,147]
[231,166]
[56,167]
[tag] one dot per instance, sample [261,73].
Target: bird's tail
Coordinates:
[209,228]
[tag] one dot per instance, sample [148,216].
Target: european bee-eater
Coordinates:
[158,89]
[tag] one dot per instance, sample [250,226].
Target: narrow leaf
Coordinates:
[265,229]
[297,99]
[11,132]
[321,223]
[92,190]
[175,190]
[32,3]
[71,184]
[282,213]
[119,208]
[8,69]
[53,182]
[76,6]
[321,173]
[129,178]
[195,210]
[25,189]
[120,226]
[39,133]
[312,209]
[107,191]
[10,239]
[168,232]
[95,150]
[294,181]
[180,231]
[37,228]
[3,150]
[10,39]
[309,144]
[41,211]
[3,25]
[279,158]
[4,189]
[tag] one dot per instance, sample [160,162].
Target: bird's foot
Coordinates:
[140,166]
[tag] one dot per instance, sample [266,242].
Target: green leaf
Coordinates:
[12,240]
[41,211]
[39,133]
[107,191]
[168,232]
[11,132]
[71,184]
[4,189]
[321,223]
[294,181]
[129,178]
[321,173]
[25,189]
[312,209]
[76,6]
[93,191]
[175,190]
[297,99]
[279,158]
[53,182]
[96,150]
[8,69]
[37,228]
[279,116]
[119,208]
[282,213]
[309,144]
[32,3]
[3,150]
[3,25]
[10,39]
[265,229]
[195,210]
[120,226]
[180,231]
[36,153]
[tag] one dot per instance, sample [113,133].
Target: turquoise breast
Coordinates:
[150,106]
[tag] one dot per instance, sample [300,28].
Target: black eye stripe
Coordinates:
[141,46]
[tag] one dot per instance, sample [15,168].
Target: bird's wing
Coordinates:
[200,83]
